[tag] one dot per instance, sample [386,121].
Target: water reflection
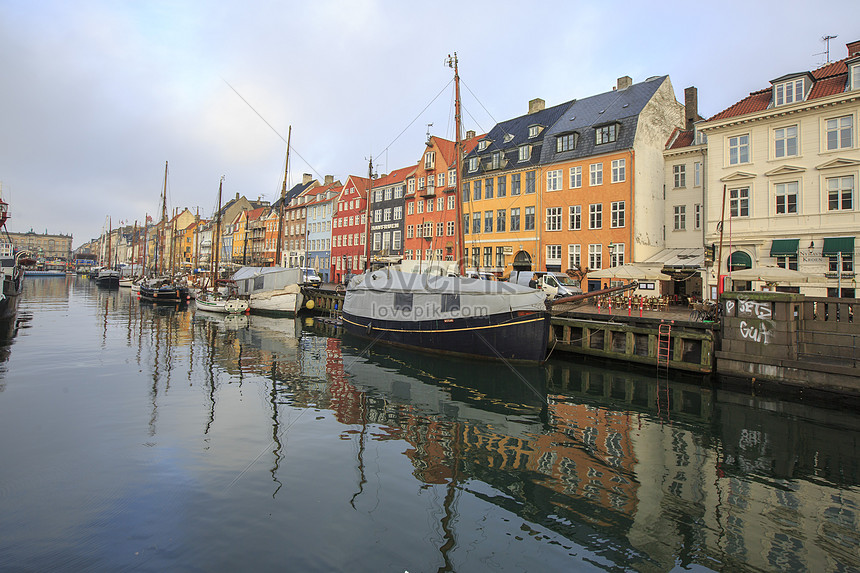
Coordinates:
[574,462]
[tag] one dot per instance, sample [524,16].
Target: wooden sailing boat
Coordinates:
[223,297]
[164,289]
[108,276]
[450,315]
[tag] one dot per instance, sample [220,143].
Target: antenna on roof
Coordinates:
[826,40]
[429,125]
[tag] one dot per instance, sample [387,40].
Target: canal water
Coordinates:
[149,438]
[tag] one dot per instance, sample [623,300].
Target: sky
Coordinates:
[97,95]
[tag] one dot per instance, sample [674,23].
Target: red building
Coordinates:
[348,228]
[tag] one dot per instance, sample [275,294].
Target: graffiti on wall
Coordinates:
[756,326]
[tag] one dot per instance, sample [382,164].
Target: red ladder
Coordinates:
[664,345]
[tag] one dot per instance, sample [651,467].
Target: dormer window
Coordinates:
[473,164]
[496,160]
[430,160]
[534,131]
[566,142]
[606,134]
[482,145]
[854,71]
[788,92]
[508,137]
[525,152]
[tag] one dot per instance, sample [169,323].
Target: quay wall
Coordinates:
[789,339]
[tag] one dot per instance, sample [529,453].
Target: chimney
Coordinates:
[691,107]
[853,48]
[470,134]
[237,196]
[624,82]
[536,105]
[307,178]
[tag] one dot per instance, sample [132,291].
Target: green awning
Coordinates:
[739,260]
[834,245]
[784,247]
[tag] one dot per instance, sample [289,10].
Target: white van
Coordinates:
[556,285]
[310,277]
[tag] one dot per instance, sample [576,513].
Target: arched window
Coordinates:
[739,260]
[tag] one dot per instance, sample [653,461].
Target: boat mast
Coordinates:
[145,244]
[217,236]
[458,149]
[107,251]
[367,215]
[277,260]
[162,224]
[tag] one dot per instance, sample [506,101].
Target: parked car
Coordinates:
[310,277]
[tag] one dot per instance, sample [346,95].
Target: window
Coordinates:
[739,202]
[529,223]
[488,256]
[476,193]
[553,219]
[840,193]
[530,182]
[680,217]
[398,192]
[553,254]
[553,180]
[410,208]
[534,130]
[525,152]
[429,205]
[386,240]
[619,170]
[515,219]
[786,198]
[595,257]
[488,221]
[680,174]
[575,220]
[515,184]
[410,231]
[596,171]
[847,263]
[386,214]
[450,228]
[440,179]
[476,255]
[377,241]
[420,204]
[452,177]
[605,134]
[473,164]
[855,77]
[476,222]
[839,132]
[697,215]
[466,191]
[482,145]
[388,193]
[496,160]
[565,142]
[574,256]
[500,257]
[785,141]
[789,92]
[739,149]
[431,183]
[451,202]
[488,188]
[576,177]
[595,216]
[787,262]
[502,185]
[697,174]
[617,215]
[440,228]
[428,229]
[616,254]
[440,203]
[430,160]
[501,217]
[420,183]
[377,216]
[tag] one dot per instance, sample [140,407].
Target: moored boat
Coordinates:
[450,315]
[223,299]
[271,290]
[164,290]
[11,269]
